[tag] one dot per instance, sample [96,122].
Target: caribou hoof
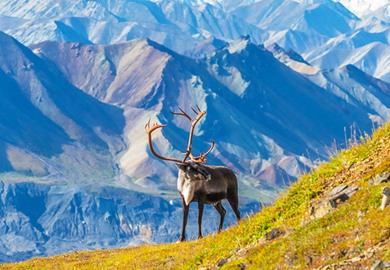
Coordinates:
[181,239]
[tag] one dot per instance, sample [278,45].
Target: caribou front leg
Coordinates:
[185,217]
[200,215]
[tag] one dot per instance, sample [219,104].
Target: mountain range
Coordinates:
[344,38]
[77,93]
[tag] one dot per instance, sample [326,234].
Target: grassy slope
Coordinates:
[348,232]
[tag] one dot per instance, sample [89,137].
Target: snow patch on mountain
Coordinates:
[292,60]
[238,46]
[364,7]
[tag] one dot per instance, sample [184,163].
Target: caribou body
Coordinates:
[200,183]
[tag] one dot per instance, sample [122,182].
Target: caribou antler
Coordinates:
[149,131]
[200,159]
[182,113]
[199,114]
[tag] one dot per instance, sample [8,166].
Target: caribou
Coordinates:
[197,182]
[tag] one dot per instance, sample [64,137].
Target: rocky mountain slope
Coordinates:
[347,82]
[145,79]
[44,117]
[332,218]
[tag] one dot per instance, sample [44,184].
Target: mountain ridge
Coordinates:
[183,25]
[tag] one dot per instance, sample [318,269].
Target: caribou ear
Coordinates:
[181,166]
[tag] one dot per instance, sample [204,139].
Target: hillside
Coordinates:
[329,219]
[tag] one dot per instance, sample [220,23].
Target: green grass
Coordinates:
[347,232]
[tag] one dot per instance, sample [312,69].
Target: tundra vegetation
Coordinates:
[354,235]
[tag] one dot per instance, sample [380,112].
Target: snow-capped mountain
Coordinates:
[326,33]
[176,24]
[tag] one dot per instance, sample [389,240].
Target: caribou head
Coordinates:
[197,182]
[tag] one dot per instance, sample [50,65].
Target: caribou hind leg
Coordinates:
[221,212]
[233,201]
